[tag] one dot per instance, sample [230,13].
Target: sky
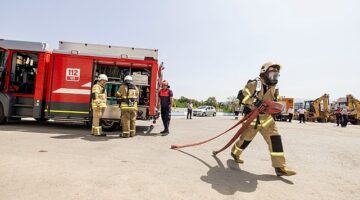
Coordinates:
[211,47]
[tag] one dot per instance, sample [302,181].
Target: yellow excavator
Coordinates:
[318,109]
[353,106]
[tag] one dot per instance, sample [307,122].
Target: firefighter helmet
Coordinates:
[267,65]
[270,77]
[103,77]
[128,79]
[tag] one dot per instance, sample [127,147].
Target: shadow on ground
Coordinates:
[68,130]
[229,179]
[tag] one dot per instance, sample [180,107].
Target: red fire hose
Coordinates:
[268,107]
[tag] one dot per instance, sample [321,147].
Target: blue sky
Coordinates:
[211,47]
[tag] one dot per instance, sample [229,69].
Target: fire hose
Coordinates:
[267,107]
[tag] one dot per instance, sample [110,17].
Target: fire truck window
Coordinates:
[2,68]
[23,73]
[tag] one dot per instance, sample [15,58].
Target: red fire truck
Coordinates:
[43,84]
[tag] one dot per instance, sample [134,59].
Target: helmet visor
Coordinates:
[273,75]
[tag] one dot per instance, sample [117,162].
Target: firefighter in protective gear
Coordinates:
[128,94]
[263,88]
[98,104]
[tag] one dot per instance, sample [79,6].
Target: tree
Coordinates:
[232,103]
[211,101]
[182,102]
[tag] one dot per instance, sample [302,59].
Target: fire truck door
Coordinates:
[23,73]
[39,95]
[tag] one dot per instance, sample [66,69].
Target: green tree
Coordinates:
[211,101]
[231,104]
[182,102]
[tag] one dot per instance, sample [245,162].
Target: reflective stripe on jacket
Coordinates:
[99,96]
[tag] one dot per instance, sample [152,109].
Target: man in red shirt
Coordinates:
[338,115]
[165,104]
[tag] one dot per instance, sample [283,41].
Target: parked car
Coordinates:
[204,111]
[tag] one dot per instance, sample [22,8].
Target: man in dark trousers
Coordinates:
[165,104]
[189,110]
[291,113]
[301,112]
[338,116]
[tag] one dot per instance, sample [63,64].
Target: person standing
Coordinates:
[338,116]
[165,104]
[301,112]
[98,104]
[344,115]
[236,112]
[256,91]
[291,113]
[128,94]
[189,110]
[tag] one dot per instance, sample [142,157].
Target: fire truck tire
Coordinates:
[2,114]
[109,125]
[354,122]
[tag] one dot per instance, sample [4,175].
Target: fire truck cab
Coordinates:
[43,84]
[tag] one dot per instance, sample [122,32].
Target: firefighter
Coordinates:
[263,88]
[165,104]
[128,94]
[98,104]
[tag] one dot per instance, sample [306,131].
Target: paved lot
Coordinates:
[60,161]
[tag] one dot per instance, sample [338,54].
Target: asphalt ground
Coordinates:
[62,161]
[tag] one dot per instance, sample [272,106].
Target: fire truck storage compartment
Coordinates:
[116,74]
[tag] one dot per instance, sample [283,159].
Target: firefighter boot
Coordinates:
[235,153]
[284,171]
[125,135]
[97,131]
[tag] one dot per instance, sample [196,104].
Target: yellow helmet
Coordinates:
[267,65]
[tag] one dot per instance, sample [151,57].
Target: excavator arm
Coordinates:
[316,104]
[354,106]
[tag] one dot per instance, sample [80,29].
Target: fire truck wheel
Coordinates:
[354,122]
[2,115]
[109,125]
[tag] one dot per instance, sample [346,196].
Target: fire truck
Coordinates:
[42,84]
